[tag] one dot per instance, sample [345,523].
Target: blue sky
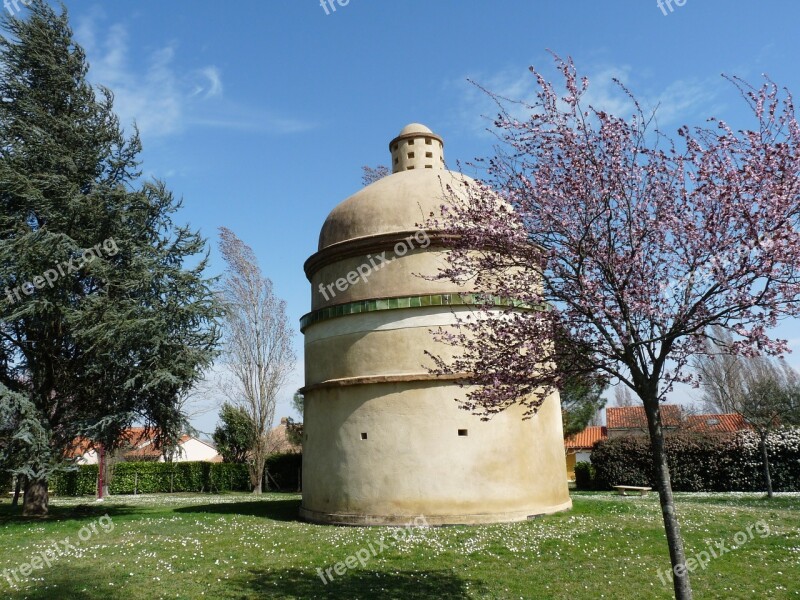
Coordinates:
[261,114]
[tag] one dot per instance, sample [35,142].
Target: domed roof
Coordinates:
[415,128]
[398,202]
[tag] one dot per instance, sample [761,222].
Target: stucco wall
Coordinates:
[413,460]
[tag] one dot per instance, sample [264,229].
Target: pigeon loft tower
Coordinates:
[384,440]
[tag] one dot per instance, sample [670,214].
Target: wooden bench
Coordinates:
[631,488]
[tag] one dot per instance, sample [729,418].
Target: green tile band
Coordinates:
[364,306]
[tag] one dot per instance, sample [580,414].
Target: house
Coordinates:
[723,423]
[138,446]
[631,420]
[578,447]
[280,441]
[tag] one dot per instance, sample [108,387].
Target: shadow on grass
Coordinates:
[423,584]
[277,510]
[67,587]
[71,581]
[11,514]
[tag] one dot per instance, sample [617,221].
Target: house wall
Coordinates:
[574,457]
[571,465]
[192,450]
[615,433]
[90,458]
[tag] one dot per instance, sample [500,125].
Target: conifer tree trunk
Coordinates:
[17,490]
[36,499]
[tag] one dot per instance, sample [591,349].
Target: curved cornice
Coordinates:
[363,246]
[373,379]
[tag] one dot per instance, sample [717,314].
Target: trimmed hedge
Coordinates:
[154,477]
[228,477]
[79,482]
[701,463]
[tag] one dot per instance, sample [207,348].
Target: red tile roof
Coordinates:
[716,423]
[633,417]
[137,445]
[79,447]
[586,438]
[279,441]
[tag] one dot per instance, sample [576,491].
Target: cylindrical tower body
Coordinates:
[385,441]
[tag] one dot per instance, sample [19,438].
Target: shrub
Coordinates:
[584,476]
[710,462]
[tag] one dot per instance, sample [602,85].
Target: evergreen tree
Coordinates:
[106,317]
[581,399]
[235,435]
[581,386]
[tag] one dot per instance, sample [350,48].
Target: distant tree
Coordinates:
[623,396]
[235,435]
[721,374]
[106,317]
[294,429]
[257,348]
[581,399]
[371,175]
[633,242]
[764,390]
[298,403]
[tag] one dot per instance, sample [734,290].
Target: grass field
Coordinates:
[236,546]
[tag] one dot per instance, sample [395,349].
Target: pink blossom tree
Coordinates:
[634,243]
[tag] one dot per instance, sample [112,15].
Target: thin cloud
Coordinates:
[674,104]
[211,86]
[161,98]
[264,124]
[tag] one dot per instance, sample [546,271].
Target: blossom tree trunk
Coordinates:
[672,528]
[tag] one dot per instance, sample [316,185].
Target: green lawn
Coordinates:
[235,546]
